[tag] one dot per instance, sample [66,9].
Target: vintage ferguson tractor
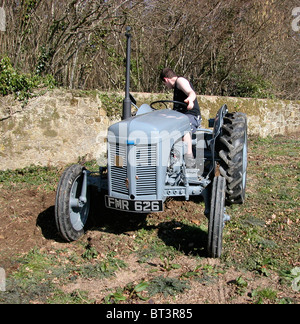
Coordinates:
[145,166]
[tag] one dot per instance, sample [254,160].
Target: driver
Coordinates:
[184,92]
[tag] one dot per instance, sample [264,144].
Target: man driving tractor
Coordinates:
[184,92]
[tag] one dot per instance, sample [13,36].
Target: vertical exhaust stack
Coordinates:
[127,102]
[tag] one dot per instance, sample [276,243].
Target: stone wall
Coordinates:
[53,129]
[62,126]
[266,117]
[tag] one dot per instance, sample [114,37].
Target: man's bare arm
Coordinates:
[184,85]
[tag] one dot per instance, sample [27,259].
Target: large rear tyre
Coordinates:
[232,148]
[71,213]
[216,218]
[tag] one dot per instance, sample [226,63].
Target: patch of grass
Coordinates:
[75,297]
[264,231]
[264,295]
[167,286]
[102,269]
[32,281]
[148,246]
[41,274]
[204,273]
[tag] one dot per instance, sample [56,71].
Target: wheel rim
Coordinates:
[78,215]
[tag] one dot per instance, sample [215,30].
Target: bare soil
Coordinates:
[27,222]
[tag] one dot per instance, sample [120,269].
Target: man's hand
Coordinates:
[190,103]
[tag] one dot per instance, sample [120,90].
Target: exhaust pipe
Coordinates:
[127,102]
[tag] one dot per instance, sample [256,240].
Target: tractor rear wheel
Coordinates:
[70,215]
[232,148]
[216,217]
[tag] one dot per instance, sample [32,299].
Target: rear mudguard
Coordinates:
[219,120]
[218,123]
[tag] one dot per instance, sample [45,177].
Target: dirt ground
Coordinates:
[27,222]
[22,213]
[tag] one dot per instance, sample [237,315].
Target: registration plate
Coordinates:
[138,206]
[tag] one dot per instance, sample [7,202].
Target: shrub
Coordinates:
[21,85]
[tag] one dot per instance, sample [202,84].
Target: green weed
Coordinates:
[264,295]
[167,286]
[131,292]
[34,176]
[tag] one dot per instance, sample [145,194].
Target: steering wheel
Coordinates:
[182,104]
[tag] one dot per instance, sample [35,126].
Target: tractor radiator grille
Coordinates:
[144,165]
[146,157]
[118,162]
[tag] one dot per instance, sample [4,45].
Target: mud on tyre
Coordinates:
[232,149]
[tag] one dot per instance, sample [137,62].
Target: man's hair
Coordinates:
[167,73]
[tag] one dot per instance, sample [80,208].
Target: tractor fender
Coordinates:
[218,123]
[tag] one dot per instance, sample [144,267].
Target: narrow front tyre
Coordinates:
[72,203]
[216,217]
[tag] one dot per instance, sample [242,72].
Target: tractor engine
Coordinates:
[174,175]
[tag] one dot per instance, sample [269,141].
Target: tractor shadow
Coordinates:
[46,222]
[100,219]
[190,240]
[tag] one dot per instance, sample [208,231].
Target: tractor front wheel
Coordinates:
[71,212]
[216,217]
